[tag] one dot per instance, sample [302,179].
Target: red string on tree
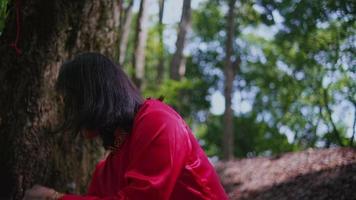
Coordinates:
[15,43]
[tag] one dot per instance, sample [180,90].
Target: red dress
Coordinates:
[160,159]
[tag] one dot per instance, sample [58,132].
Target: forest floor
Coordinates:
[318,174]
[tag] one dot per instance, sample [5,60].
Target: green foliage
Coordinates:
[283,75]
[287,75]
[252,138]
[208,15]
[185,96]
[305,54]
[3,13]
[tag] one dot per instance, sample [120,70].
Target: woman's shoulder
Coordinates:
[155,115]
[158,121]
[157,109]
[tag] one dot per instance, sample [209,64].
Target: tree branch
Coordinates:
[329,112]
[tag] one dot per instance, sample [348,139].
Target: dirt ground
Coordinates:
[318,174]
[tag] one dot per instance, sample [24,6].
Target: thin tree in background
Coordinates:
[160,68]
[351,142]
[335,131]
[177,69]
[125,27]
[228,141]
[140,44]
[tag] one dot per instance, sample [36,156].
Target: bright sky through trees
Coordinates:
[343,112]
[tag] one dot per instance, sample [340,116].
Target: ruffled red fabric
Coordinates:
[159,160]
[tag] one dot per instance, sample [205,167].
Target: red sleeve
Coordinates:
[159,148]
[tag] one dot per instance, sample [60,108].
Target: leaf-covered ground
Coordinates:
[321,174]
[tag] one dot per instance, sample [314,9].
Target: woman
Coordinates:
[153,154]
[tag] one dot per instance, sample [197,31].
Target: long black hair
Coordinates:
[97,95]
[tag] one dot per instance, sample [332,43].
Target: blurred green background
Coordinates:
[294,75]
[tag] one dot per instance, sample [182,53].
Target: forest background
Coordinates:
[251,77]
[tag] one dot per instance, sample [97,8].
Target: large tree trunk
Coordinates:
[125,27]
[140,44]
[228,141]
[160,68]
[178,62]
[51,32]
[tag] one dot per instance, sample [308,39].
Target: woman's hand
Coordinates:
[38,192]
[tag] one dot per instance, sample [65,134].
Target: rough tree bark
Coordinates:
[140,44]
[160,68]
[228,141]
[51,32]
[178,62]
[125,27]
